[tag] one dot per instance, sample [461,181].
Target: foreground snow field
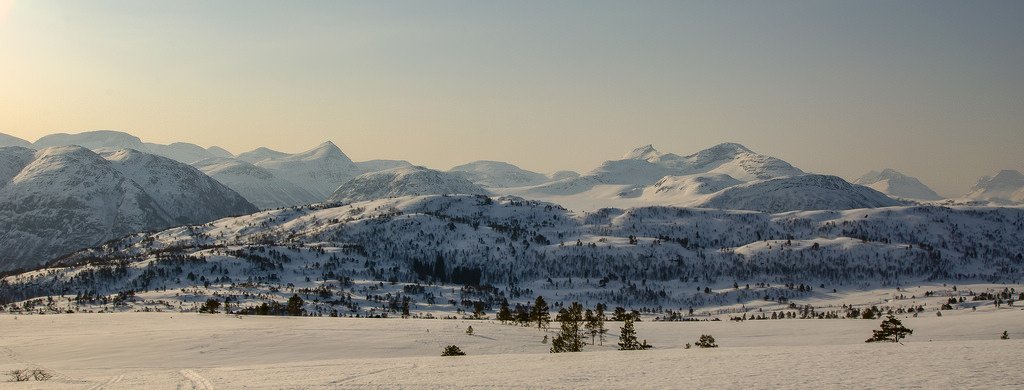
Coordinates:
[960,349]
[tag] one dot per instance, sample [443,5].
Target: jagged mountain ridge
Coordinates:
[68,197]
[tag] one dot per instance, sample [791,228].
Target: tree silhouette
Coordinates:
[891,330]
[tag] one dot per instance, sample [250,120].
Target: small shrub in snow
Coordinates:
[469,330]
[24,375]
[1005,336]
[452,350]
[706,341]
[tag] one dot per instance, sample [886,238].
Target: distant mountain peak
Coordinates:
[645,152]
[894,183]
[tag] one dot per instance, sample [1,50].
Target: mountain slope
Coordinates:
[1005,187]
[893,183]
[407,181]
[804,192]
[12,160]
[187,195]
[66,198]
[9,140]
[259,186]
[498,174]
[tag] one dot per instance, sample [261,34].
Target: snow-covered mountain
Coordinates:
[68,197]
[260,186]
[9,140]
[645,166]
[186,152]
[319,171]
[802,192]
[109,140]
[406,181]
[261,154]
[496,174]
[1007,186]
[896,184]
[645,177]
[187,195]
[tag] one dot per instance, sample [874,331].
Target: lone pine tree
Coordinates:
[570,337]
[891,330]
[627,337]
[540,313]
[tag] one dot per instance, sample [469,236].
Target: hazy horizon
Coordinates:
[931,89]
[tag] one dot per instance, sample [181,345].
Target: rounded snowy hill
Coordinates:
[104,140]
[498,174]
[894,183]
[803,192]
[405,181]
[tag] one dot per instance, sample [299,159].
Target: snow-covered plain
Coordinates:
[960,349]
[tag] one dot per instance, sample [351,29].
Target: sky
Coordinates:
[933,88]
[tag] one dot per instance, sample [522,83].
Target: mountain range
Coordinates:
[59,198]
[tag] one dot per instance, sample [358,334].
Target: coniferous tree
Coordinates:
[627,337]
[1005,336]
[891,330]
[295,305]
[601,330]
[570,337]
[541,313]
[591,325]
[504,314]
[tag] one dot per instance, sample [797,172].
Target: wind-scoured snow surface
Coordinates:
[406,181]
[960,349]
[62,199]
[498,174]
[896,184]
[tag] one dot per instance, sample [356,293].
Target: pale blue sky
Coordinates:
[931,88]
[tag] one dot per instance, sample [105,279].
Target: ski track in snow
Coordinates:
[199,382]
[112,381]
